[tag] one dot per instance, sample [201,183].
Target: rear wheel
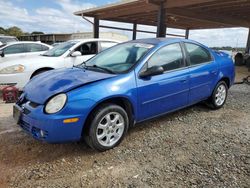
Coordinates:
[219,96]
[108,126]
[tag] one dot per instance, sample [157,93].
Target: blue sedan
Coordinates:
[123,85]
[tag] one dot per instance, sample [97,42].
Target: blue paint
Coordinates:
[149,97]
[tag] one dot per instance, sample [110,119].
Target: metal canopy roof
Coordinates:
[182,14]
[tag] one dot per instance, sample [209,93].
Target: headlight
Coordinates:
[12,69]
[56,103]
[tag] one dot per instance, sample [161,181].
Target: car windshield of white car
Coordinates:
[60,49]
[7,39]
[120,58]
[1,46]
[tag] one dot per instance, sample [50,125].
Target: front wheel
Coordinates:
[108,126]
[219,96]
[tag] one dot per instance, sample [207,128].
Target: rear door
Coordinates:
[34,49]
[203,72]
[166,92]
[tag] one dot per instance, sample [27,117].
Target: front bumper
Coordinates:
[18,80]
[49,128]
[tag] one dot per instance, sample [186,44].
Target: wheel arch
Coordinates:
[40,69]
[122,101]
[226,80]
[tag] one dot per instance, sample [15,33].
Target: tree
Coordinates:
[37,33]
[2,31]
[14,31]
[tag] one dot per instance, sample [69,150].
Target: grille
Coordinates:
[24,125]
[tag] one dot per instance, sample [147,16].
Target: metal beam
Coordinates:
[125,29]
[187,34]
[134,31]
[161,26]
[96,27]
[248,42]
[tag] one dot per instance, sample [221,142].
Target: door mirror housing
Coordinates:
[1,53]
[76,53]
[152,71]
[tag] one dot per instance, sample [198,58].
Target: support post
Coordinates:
[248,42]
[134,31]
[53,39]
[96,27]
[187,34]
[161,25]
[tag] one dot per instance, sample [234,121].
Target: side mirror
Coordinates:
[155,70]
[1,53]
[76,53]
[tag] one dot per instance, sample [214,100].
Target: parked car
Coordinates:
[17,50]
[68,54]
[128,83]
[7,39]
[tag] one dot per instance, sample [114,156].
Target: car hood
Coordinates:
[42,87]
[31,58]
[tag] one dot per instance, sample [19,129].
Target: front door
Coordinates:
[166,92]
[88,50]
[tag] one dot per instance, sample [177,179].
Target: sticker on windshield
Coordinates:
[141,45]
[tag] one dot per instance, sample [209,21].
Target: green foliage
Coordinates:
[37,33]
[16,31]
[229,48]
[2,31]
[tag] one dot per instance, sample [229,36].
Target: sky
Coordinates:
[56,16]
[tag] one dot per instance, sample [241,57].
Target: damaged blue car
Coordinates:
[123,85]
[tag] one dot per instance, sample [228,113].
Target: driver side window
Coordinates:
[170,57]
[89,48]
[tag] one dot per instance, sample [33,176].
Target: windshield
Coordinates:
[2,45]
[119,58]
[8,39]
[60,49]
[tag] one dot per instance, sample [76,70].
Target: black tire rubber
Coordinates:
[211,101]
[39,72]
[239,59]
[89,134]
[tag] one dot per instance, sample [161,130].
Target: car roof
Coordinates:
[94,39]
[26,42]
[156,41]
[3,36]
[164,41]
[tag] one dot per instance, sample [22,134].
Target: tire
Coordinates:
[239,59]
[102,123]
[219,96]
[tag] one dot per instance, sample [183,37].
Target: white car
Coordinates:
[66,55]
[6,39]
[17,50]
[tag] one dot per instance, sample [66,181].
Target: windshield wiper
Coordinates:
[103,68]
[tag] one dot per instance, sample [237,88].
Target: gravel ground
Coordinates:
[194,147]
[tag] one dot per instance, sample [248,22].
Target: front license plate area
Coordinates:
[17,114]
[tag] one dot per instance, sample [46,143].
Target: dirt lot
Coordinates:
[194,147]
